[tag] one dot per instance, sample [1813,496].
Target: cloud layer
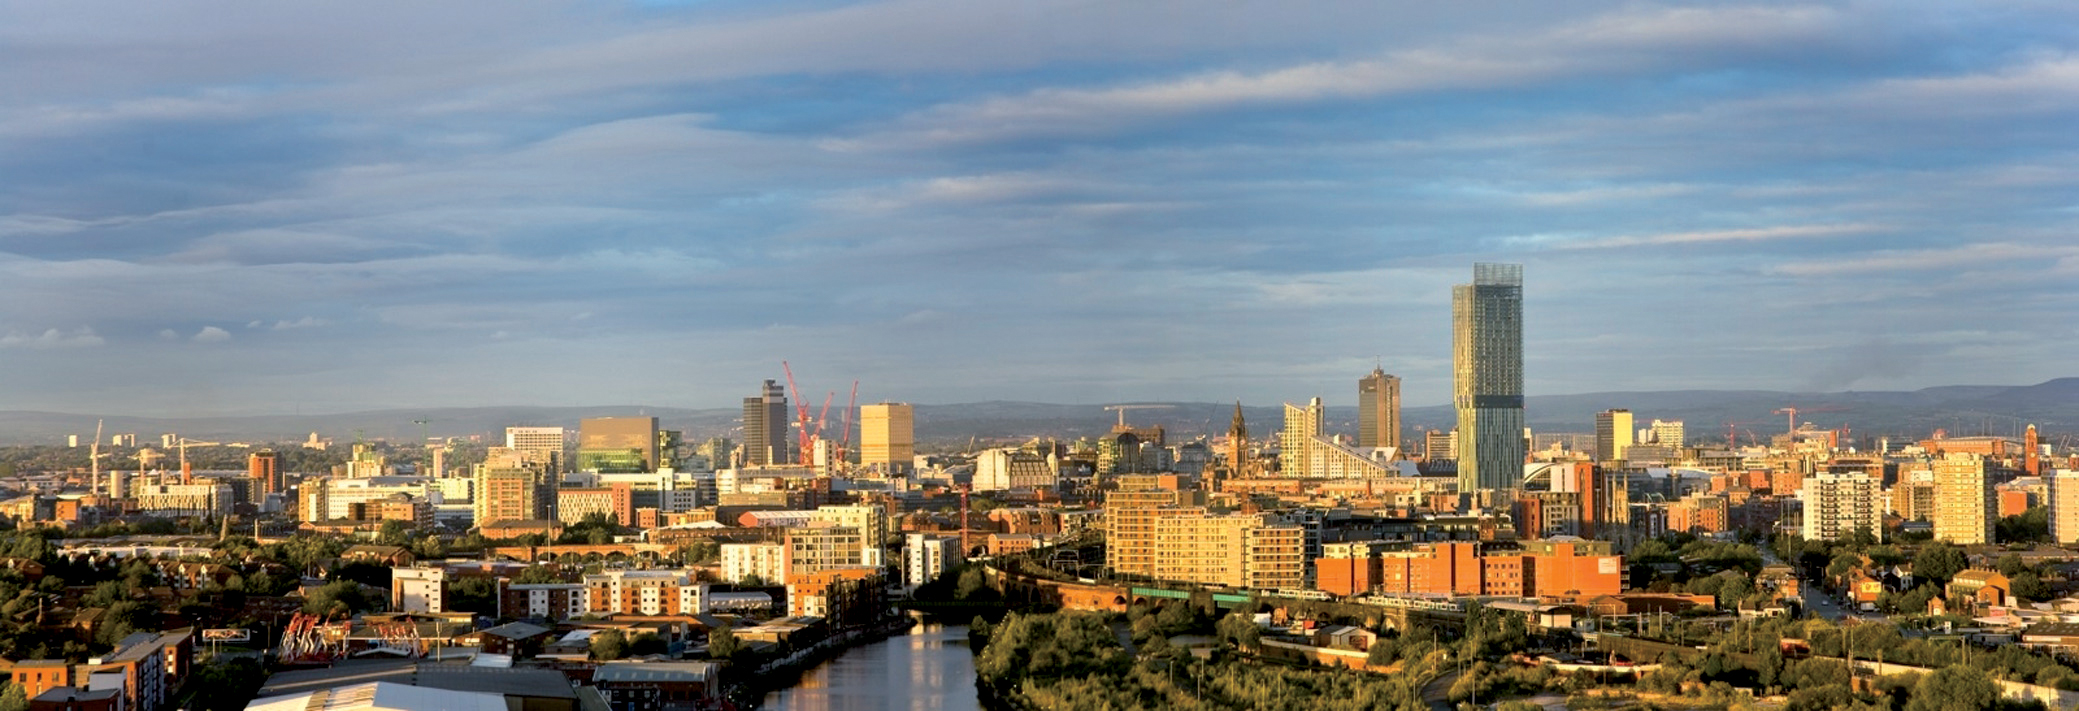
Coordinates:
[238,207]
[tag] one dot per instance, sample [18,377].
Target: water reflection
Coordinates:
[928,668]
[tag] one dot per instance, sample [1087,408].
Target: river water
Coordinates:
[930,668]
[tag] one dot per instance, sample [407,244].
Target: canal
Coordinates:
[930,667]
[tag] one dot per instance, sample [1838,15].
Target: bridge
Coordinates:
[587,552]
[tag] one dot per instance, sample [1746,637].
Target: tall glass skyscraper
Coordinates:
[1487,370]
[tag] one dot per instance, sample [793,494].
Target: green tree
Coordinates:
[539,574]
[646,644]
[339,597]
[1954,688]
[703,551]
[2029,586]
[473,593]
[15,698]
[1938,562]
[1241,631]
[230,684]
[392,533]
[608,645]
[722,644]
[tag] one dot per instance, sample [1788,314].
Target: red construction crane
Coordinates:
[801,416]
[1732,433]
[844,439]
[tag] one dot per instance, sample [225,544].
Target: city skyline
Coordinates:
[239,209]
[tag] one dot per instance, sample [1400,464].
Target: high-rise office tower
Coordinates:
[264,467]
[1612,434]
[617,445]
[888,437]
[765,427]
[1487,370]
[1378,410]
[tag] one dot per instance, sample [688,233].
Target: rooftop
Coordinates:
[383,695]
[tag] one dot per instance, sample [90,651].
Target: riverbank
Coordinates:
[751,687]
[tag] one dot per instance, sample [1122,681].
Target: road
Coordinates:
[1437,693]
[1810,597]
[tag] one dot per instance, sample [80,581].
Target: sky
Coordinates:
[221,208]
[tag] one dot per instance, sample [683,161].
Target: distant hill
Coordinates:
[1961,409]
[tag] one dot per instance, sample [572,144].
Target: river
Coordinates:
[930,667]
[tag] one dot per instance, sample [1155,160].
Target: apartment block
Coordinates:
[768,561]
[1836,506]
[418,589]
[644,592]
[1964,503]
[556,601]
[1130,517]
[925,557]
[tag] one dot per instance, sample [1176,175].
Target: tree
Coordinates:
[392,533]
[703,551]
[538,574]
[2029,586]
[1939,562]
[646,644]
[339,597]
[230,684]
[608,645]
[473,593]
[1241,631]
[1954,688]
[15,698]
[722,644]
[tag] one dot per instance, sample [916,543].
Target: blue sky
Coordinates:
[256,207]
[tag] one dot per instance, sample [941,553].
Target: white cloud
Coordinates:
[1963,257]
[211,334]
[1756,234]
[1630,41]
[305,322]
[82,337]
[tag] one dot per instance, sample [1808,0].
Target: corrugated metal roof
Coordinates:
[654,671]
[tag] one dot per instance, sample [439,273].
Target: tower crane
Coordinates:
[94,456]
[802,416]
[1123,408]
[844,439]
[187,475]
[1792,412]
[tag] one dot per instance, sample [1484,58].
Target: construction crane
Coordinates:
[1732,433]
[187,475]
[844,439]
[1123,408]
[1792,412]
[801,417]
[94,458]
